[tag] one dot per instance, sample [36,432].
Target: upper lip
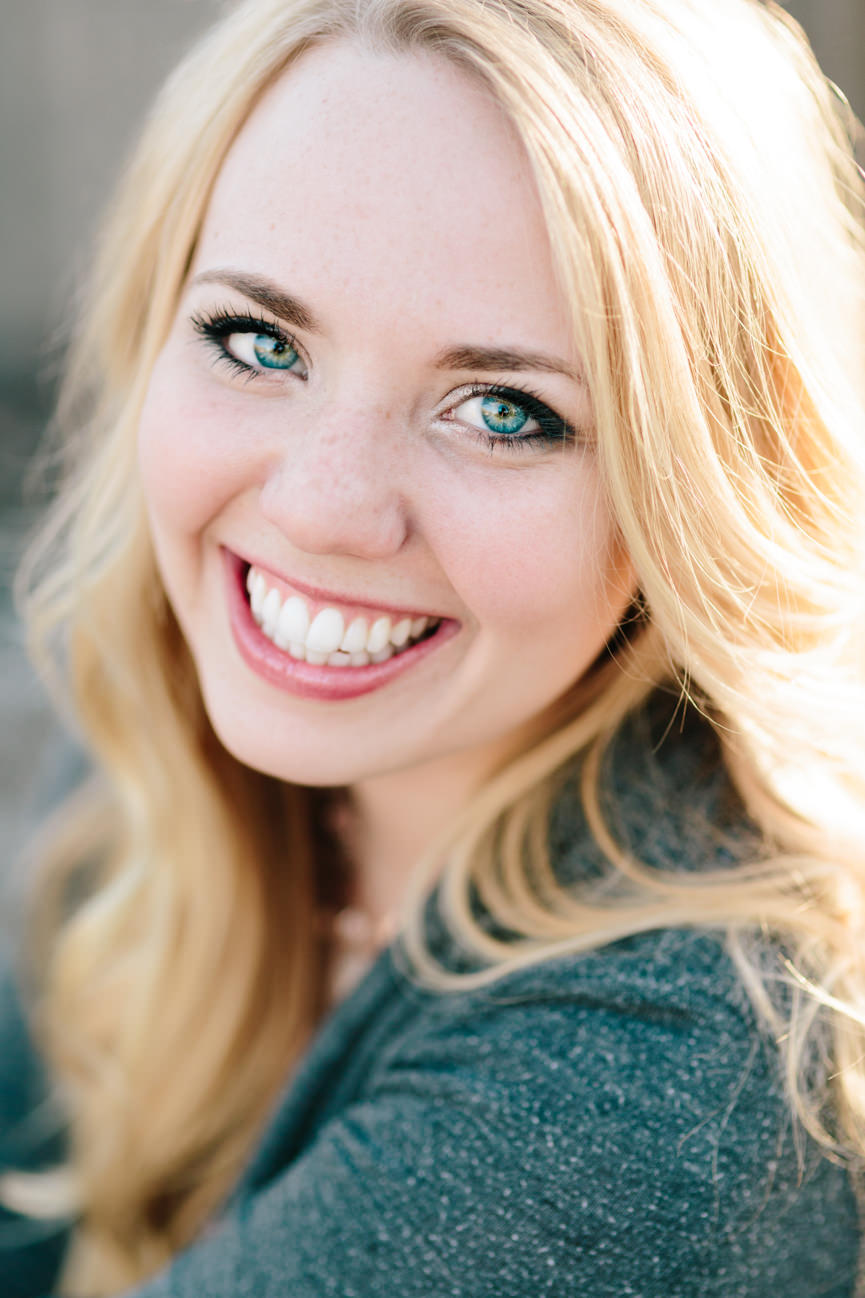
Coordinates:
[333,597]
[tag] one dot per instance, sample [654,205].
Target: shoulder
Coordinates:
[633,1084]
[631,1094]
[664,1001]
[591,1127]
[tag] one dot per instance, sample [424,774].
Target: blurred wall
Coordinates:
[837,32]
[75,78]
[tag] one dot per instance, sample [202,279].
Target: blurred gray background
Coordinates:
[75,77]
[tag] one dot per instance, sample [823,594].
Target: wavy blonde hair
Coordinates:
[705,214]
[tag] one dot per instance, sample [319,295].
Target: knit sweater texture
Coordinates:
[597,1126]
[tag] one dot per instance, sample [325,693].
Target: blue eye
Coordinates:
[512,419]
[270,352]
[249,345]
[502,416]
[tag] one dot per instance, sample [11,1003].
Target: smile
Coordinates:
[315,649]
[326,634]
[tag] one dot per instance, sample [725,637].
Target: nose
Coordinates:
[336,487]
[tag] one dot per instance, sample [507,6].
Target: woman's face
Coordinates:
[370,397]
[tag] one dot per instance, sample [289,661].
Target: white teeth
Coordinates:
[378,636]
[401,632]
[257,594]
[325,634]
[292,623]
[354,640]
[326,638]
[270,612]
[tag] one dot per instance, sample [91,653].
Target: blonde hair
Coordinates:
[705,214]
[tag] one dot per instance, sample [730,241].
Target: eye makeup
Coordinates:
[505,410]
[215,328]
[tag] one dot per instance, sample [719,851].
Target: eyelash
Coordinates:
[553,428]
[215,328]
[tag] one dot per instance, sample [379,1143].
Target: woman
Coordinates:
[458,579]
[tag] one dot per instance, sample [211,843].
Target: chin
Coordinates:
[258,740]
[272,754]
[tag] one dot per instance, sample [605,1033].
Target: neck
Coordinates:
[392,820]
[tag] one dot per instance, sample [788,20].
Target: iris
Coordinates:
[503,416]
[274,353]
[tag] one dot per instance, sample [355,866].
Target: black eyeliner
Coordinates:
[219,324]
[214,327]
[553,427]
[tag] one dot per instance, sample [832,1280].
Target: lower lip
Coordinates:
[306,680]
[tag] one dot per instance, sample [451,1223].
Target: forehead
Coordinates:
[381,182]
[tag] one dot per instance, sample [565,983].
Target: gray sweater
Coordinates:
[598,1126]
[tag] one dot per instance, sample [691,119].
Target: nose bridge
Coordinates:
[335,484]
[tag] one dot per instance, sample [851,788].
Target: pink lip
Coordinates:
[331,684]
[332,598]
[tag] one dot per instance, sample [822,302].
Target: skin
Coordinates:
[389,194]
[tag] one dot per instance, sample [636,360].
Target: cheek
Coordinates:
[543,555]
[190,452]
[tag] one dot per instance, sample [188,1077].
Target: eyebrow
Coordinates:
[266,294]
[464,357]
[502,358]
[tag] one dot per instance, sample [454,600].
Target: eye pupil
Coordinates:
[274,353]
[502,416]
